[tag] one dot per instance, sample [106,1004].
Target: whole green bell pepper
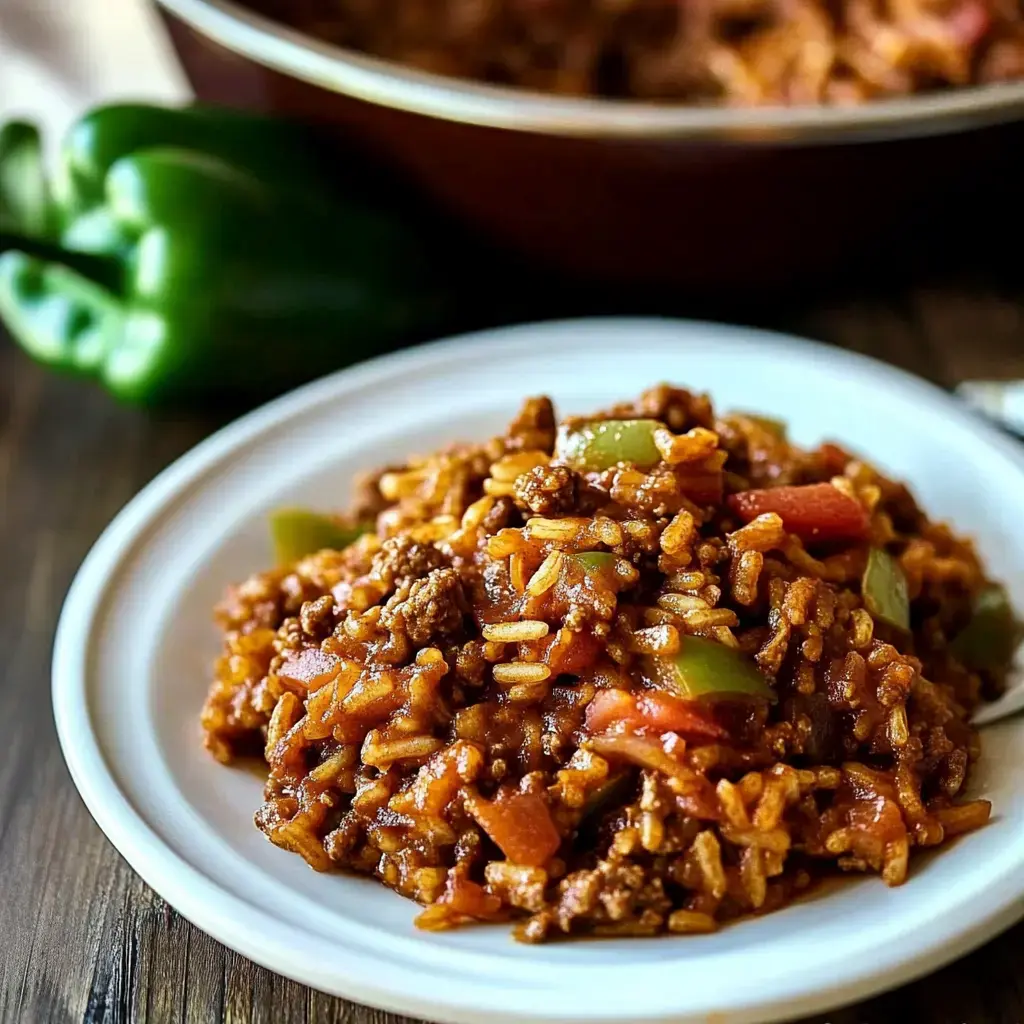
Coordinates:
[203,253]
[278,152]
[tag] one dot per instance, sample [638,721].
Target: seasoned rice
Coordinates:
[735,52]
[615,701]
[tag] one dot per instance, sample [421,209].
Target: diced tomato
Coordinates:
[877,815]
[814,512]
[833,458]
[608,708]
[440,778]
[653,711]
[310,667]
[969,22]
[574,659]
[468,897]
[663,713]
[520,824]
[701,485]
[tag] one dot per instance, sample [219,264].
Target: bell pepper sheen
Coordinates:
[707,669]
[602,444]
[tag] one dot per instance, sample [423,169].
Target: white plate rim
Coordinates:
[238,925]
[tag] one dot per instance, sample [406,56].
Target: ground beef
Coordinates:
[678,408]
[401,558]
[534,427]
[500,516]
[435,606]
[547,490]
[317,617]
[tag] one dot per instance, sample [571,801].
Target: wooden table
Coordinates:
[82,939]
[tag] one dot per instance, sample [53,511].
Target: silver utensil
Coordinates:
[1011,702]
[998,400]
[1003,402]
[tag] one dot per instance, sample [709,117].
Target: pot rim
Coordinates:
[390,84]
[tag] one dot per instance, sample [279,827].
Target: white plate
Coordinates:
[135,644]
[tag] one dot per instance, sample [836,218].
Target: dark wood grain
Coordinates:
[82,939]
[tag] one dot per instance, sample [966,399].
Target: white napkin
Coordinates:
[59,57]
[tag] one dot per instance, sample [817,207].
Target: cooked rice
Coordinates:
[455,703]
[513,632]
[546,575]
[521,672]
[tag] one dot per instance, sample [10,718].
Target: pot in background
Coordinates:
[716,201]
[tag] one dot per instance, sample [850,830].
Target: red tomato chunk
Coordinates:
[652,711]
[814,512]
[520,825]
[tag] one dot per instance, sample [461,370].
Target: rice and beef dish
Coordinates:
[734,52]
[644,671]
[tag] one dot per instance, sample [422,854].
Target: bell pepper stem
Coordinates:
[279,152]
[25,201]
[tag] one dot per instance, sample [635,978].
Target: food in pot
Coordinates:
[736,52]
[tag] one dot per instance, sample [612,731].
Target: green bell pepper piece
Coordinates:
[602,444]
[297,532]
[230,285]
[596,561]
[884,589]
[988,641]
[707,669]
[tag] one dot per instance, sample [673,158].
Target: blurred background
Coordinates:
[586,192]
[58,59]
[162,270]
